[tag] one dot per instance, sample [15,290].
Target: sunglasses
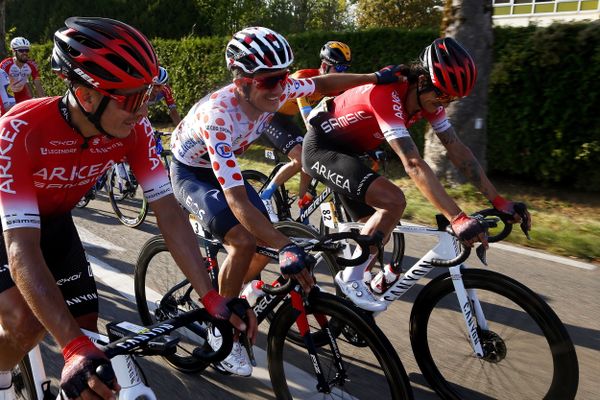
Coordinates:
[268,82]
[22,50]
[130,102]
[443,97]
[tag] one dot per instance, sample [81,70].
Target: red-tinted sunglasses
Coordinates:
[268,82]
[443,97]
[130,102]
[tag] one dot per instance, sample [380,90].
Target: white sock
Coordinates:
[5,379]
[357,273]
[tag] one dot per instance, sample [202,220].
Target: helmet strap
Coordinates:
[94,117]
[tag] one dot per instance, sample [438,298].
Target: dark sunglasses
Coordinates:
[268,82]
[341,67]
[130,102]
[22,50]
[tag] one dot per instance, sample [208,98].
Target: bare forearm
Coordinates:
[181,241]
[39,89]
[432,189]
[335,83]
[174,116]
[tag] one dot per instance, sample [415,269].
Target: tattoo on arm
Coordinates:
[447,137]
[407,146]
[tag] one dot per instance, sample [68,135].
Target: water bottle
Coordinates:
[252,291]
[384,279]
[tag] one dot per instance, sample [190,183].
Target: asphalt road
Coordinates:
[571,291]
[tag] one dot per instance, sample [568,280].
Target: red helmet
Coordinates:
[103,53]
[451,68]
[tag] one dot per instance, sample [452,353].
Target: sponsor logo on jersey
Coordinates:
[84,298]
[46,151]
[223,149]
[343,121]
[63,143]
[397,105]
[333,177]
[8,137]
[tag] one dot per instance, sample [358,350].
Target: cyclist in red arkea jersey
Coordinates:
[19,68]
[363,117]
[53,149]
[162,91]
[285,134]
[205,173]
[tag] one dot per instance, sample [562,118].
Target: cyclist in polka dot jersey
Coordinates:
[207,178]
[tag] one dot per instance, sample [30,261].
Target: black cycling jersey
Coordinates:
[65,257]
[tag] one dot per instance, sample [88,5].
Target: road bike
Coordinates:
[327,201]
[129,203]
[124,342]
[478,334]
[347,353]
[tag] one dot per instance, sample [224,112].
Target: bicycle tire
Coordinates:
[505,363]
[155,255]
[371,370]
[129,203]
[83,202]
[258,180]
[23,381]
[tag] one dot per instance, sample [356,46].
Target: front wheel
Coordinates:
[259,181]
[372,371]
[528,353]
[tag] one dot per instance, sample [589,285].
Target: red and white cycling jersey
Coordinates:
[216,129]
[46,166]
[19,76]
[166,94]
[363,117]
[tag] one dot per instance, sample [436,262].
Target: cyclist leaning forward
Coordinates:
[207,178]
[54,149]
[285,134]
[361,118]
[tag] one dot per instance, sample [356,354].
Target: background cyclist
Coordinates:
[162,91]
[285,134]
[205,173]
[54,149]
[372,114]
[6,98]
[19,68]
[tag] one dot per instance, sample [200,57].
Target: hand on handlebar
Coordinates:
[292,261]
[518,211]
[82,358]
[469,230]
[236,310]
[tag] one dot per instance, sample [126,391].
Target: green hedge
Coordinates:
[543,121]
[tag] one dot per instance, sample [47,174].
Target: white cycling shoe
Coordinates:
[272,214]
[237,362]
[8,393]
[359,293]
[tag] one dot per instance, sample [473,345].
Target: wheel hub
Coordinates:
[494,348]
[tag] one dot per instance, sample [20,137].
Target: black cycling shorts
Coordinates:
[283,132]
[65,257]
[339,169]
[198,190]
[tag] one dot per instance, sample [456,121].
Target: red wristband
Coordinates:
[459,218]
[499,202]
[75,346]
[210,297]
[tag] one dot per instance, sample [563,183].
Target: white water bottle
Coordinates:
[384,279]
[252,291]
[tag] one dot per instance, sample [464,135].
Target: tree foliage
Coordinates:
[400,13]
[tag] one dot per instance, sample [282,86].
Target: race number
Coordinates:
[196,226]
[328,215]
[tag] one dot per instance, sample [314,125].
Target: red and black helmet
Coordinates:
[103,53]
[451,68]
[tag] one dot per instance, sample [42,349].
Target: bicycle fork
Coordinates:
[471,309]
[302,323]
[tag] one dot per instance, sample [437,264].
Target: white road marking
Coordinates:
[299,381]
[544,256]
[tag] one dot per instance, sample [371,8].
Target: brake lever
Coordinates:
[482,254]
[246,343]
[520,208]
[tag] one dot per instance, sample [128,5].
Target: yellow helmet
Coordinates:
[336,53]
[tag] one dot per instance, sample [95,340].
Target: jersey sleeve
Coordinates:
[35,74]
[438,120]
[297,88]
[217,130]
[147,166]
[168,96]
[18,200]
[386,105]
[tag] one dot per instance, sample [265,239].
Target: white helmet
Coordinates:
[20,43]
[256,48]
